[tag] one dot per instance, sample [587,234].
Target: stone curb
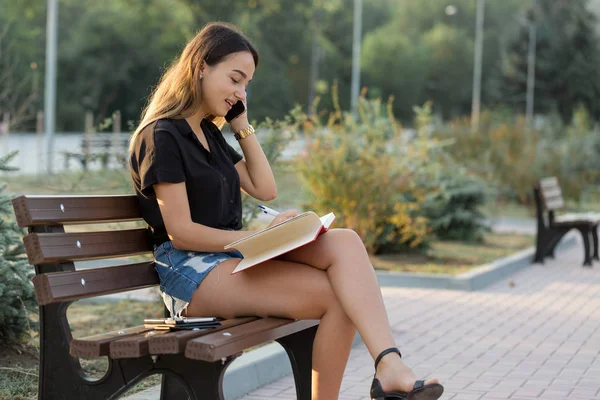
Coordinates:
[474,279]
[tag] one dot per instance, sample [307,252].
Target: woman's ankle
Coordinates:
[393,374]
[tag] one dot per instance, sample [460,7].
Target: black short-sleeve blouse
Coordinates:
[169,151]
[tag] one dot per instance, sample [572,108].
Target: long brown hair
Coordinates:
[177,94]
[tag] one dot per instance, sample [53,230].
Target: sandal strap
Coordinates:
[386,352]
[419,384]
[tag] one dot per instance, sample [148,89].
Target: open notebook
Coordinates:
[281,238]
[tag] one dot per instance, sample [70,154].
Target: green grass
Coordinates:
[494,209]
[19,363]
[117,181]
[289,188]
[447,257]
[590,201]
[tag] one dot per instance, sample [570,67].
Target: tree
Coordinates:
[428,54]
[395,66]
[19,72]
[112,52]
[567,56]
[447,47]
[285,34]
[16,289]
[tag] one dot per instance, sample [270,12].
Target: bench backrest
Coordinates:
[551,194]
[53,251]
[105,141]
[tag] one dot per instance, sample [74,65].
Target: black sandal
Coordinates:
[420,390]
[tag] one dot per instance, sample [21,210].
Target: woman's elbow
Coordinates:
[268,196]
[178,236]
[177,243]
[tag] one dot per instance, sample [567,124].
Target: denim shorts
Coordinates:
[181,271]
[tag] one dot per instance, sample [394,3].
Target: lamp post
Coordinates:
[476,103]
[530,66]
[50,82]
[356,39]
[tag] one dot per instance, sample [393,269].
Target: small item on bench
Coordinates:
[181,323]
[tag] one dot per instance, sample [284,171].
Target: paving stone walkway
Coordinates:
[535,335]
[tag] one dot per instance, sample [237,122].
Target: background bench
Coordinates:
[552,227]
[192,362]
[100,146]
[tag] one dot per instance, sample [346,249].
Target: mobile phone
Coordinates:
[184,320]
[235,111]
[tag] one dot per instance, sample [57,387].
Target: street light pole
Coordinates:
[476,102]
[530,66]
[356,41]
[50,81]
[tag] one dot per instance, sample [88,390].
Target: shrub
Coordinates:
[275,136]
[16,289]
[453,195]
[512,157]
[452,205]
[364,169]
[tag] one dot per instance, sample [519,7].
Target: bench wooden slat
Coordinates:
[550,193]
[554,204]
[67,286]
[175,342]
[215,346]
[45,248]
[139,345]
[134,346]
[47,210]
[549,183]
[98,345]
[582,218]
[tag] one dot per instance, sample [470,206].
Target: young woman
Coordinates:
[188,182]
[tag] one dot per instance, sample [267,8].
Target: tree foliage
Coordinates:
[111,53]
[16,289]
[566,59]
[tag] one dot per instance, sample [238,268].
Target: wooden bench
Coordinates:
[192,363]
[552,227]
[100,146]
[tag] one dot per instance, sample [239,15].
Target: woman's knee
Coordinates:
[345,243]
[338,241]
[344,236]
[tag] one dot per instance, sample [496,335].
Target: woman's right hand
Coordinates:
[283,216]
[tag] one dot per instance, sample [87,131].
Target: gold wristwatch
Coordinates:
[244,133]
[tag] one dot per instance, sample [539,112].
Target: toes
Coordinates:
[432,381]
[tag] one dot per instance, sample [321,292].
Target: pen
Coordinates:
[269,211]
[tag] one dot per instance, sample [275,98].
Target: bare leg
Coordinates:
[284,289]
[342,254]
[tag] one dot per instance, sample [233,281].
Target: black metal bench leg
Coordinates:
[595,242]
[553,242]
[61,376]
[585,233]
[539,249]
[299,348]
[546,243]
[191,379]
